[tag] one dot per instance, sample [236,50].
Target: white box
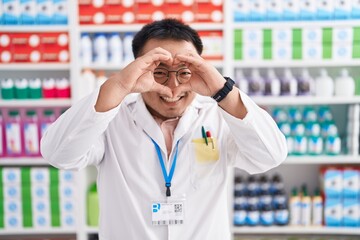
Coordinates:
[12,206]
[252,36]
[41,206]
[252,52]
[67,176]
[12,191]
[343,35]
[333,183]
[281,35]
[66,191]
[342,51]
[312,51]
[44,11]
[67,206]
[28,11]
[41,221]
[282,51]
[274,9]
[11,175]
[351,183]
[39,175]
[39,191]
[308,9]
[325,9]
[311,35]
[11,11]
[13,221]
[241,10]
[257,10]
[351,213]
[333,212]
[342,9]
[291,9]
[68,221]
[355,9]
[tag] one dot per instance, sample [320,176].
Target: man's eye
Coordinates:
[160,74]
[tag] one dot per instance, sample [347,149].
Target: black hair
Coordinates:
[165,29]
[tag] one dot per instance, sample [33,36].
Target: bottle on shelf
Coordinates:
[13,134]
[128,54]
[62,87]
[295,208]
[47,118]
[100,49]
[305,83]
[35,90]
[31,133]
[272,84]
[21,88]
[317,207]
[7,88]
[86,49]
[239,201]
[289,84]
[241,81]
[344,84]
[115,49]
[48,88]
[256,83]
[2,135]
[305,207]
[324,85]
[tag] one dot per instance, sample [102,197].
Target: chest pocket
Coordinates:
[205,164]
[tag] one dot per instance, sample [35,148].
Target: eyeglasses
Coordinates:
[161,75]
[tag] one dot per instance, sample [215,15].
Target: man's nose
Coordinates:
[172,82]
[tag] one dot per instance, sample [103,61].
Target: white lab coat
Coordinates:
[129,173]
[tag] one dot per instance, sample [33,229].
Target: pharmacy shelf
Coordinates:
[92,230]
[323,159]
[36,103]
[304,100]
[34,66]
[22,161]
[297,230]
[297,24]
[44,231]
[296,63]
[34,28]
[137,27]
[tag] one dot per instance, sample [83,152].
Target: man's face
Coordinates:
[159,105]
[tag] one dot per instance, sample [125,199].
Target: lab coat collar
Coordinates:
[144,119]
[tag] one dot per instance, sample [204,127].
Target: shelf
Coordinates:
[296,63]
[297,24]
[44,231]
[22,161]
[34,28]
[34,66]
[297,230]
[137,27]
[322,159]
[304,100]
[92,230]
[36,103]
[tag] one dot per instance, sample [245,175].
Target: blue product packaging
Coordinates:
[351,212]
[355,9]
[333,183]
[28,12]
[11,12]
[291,10]
[60,12]
[257,10]
[308,10]
[44,12]
[342,9]
[241,10]
[273,10]
[325,9]
[351,183]
[333,212]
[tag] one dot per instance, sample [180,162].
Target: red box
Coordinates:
[209,11]
[213,44]
[26,47]
[5,47]
[55,47]
[179,11]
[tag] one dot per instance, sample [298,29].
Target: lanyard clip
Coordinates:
[168,192]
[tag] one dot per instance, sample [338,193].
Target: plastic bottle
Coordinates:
[48,117]
[317,205]
[295,208]
[86,49]
[2,135]
[324,85]
[272,84]
[281,215]
[21,88]
[344,84]
[256,83]
[305,207]
[289,85]
[277,184]
[62,87]
[266,215]
[48,88]
[35,90]
[332,140]
[240,202]
[100,49]
[128,54]
[88,80]
[115,49]
[253,215]
[31,133]
[13,134]
[7,88]
[241,81]
[305,83]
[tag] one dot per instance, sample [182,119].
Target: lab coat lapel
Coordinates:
[144,119]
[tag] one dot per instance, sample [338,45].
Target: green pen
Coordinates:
[204,135]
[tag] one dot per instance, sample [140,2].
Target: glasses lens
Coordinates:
[184,75]
[161,75]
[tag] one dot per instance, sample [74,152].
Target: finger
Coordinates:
[196,61]
[163,90]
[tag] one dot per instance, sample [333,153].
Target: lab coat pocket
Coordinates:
[205,165]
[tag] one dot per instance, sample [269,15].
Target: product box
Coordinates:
[257,10]
[274,10]
[333,182]
[13,221]
[342,51]
[342,35]
[308,9]
[281,35]
[241,10]
[213,44]
[5,48]
[351,212]
[60,11]
[40,191]
[252,51]
[26,47]
[1,13]
[116,14]
[67,176]
[355,9]
[342,9]
[28,11]
[282,51]
[11,175]
[39,175]
[12,191]
[312,51]
[291,9]
[311,35]
[55,47]
[325,9]
[333,212]
[45,11]
[252,36]
[11,12]
[208,11]
[351,183]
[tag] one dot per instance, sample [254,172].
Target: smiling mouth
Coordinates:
[171,100]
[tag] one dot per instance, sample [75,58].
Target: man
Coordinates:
[163,155]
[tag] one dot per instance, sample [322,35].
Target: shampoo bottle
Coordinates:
[324,85]
[344,84]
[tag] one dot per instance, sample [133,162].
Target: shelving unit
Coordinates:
[307,165]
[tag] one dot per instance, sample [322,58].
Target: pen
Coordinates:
[204,135]
[208,135]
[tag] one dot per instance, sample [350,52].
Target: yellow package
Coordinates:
[206,153]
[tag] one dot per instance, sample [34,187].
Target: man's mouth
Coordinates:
[171,100]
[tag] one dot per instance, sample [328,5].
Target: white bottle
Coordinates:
[289,84]
[324,85]
[272,84]
[100,49]
[88,82]
[241,81]
[115,49]
[128,54]
[344,84]
[305,83]
[86,49]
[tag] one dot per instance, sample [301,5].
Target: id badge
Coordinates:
[169,212]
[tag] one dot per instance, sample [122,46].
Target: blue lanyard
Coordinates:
[167,177]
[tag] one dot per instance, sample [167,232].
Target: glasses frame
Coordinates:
[176,74]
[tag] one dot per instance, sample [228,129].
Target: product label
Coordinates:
[31,138]
[13,138]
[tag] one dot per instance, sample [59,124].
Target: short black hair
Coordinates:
[166,29]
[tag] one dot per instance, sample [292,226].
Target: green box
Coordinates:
[356,50]
[327,51]
[327,36]
[238,53]
[267,36]
[238,36]
[357,86]
[267,51]
[356,34]
[297,36]
[297,52]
